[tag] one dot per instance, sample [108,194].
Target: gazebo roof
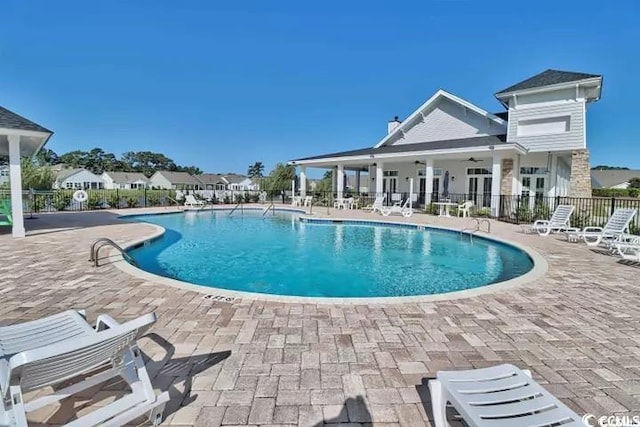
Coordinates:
[33,136]
[11,120]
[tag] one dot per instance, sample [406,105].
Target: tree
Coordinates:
[280,178]
[36,177]
[634,182]
[256,170]
[607,168]
[325,184]
[47,157]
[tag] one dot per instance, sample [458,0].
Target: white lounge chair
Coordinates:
[404,210]
[615,230]
[191,202]
[559,221]
[59,348]
[376,206]
[465,208]
[629,251]
[501,396]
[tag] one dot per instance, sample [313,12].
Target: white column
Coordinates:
[333,181]
[496,178]
[340,180]
[553,176]
[516,185]
[428,178]
[379,178]
[15,176]
[410,193]
[303,181]
[358,181]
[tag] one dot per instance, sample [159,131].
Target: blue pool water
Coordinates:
[282,255]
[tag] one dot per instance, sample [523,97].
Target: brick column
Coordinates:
[580,180]
[506,185]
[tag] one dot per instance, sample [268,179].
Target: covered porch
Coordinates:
[19,137]
[480,170]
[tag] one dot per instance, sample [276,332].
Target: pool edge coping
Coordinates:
[539,269]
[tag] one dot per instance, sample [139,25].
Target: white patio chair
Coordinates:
[376,206]
[499,396]
[465,208]
[615,230]
[404,210]
[559,221]
[53,350]
[308,200]
[191,202]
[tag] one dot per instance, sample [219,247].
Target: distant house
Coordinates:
[613,178]
[124,180]
[77,178]
[4,175]
[229,182]
[212,181]
[175,181]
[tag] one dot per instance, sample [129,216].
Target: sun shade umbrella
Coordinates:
[445,185]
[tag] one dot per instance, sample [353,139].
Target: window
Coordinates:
[390,173]
[533,171]
[543,126]
[4,172]
[436,172]
[478,171]
[68,184]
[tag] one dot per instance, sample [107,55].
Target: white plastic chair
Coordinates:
[499,396]
[465,208]
[559,221]
[308,200]
[58,348]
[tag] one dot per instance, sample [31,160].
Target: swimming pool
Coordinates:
[279,254]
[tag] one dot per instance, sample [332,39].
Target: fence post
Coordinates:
[613,205]
[518,209]
[145,197]
[117,199]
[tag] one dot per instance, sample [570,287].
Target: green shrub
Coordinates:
[61,200]
[255,198]
[580,218]
[131,201]
[226,200]
[113,200]
[94,201]
[610,192]
[634,192]
[153,199]
[523,214]
[432,209]
[482,212]
[541,211]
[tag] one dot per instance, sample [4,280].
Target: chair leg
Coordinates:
[17,407]
[438,404]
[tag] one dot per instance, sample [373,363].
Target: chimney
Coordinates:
[393,124]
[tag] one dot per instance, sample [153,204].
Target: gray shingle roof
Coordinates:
[610,178]
[548,78]
[11,120]
[211,178]
[127,177]
[179,177]
[421,146]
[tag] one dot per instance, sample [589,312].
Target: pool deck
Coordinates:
[256,362]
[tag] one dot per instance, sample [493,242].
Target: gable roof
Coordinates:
[431,102]
[179,177]
[233,178]
[612,177]
[479,141]
[127,177]
[11,120]
[211,178]
[549,78]
[63,174]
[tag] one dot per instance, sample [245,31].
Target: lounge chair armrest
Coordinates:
[540,222]
[105,321]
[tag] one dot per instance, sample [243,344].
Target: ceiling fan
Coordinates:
[472,159]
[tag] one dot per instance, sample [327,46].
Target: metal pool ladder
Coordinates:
[470,230]
[102,242]
[240,205]
[271,208]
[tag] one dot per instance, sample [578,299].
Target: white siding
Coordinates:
[573,139]
[159,181]
[79,179]
[108,182]
[449,120]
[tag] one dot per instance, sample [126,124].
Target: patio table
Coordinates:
[444,207]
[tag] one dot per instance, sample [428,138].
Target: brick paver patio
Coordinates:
[273,363]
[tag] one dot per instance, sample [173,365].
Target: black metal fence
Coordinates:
[589,211]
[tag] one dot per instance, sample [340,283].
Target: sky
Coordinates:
[221,85]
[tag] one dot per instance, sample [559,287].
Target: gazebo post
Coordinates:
[15,177]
